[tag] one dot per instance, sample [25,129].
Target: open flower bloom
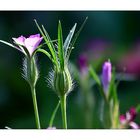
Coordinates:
[128,119]
[30,43]
[106,75]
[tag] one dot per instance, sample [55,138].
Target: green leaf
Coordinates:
[48,42]
[11,45]
[97,80]
[60,46]
[54,114]
[46,53]
[138,108]
[75,38]
[115,113]
[21,48]
[94,75]
[113,88]
[68,39]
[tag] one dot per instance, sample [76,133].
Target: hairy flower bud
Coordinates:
[30,71]
[106,75]
[62,82]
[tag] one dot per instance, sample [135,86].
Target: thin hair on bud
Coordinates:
[69,65]
[37,66]
[24,69]
[49,79]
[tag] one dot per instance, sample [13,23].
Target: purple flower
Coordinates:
[122,119]
[106,75]
[128,118]
[97,49]
[83,63]
[30,43]
[132,113]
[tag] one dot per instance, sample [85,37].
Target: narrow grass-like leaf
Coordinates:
[113,88]
[54,114]
[21,48]
[48,42]
[138,108]
[94,75]
[75,38]
[11,45]
[115,115]
[97,80]
[26,51]
[49,39]
[68,39]
[46,53]
[60,46]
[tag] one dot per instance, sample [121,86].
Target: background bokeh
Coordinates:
[113,35]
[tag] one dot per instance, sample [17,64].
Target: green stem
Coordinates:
[54,114]
[35,107]
[63,110]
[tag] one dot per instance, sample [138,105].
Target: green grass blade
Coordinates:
[94,75]
[138,108]
[11,45]
[53,115]
[97,80]
[113,88]
[68,39]
[46,53]
[60,46]
[75,38]
[48,42]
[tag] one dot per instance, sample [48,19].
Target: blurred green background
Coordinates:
[113,35]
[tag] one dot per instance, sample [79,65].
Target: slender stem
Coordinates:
[54,114]
[35,107]
[63,110]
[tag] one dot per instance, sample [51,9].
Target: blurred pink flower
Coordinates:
[131,61]
[30,43]
[83,63]
[128,118]
[97,48]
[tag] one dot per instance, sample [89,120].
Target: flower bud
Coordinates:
[106,75]
[30,70]
[62,82]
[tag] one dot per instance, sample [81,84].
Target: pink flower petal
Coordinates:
[133,113]
[32,43]
[123,119]
[20,40]
[134,125]
[33,36]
